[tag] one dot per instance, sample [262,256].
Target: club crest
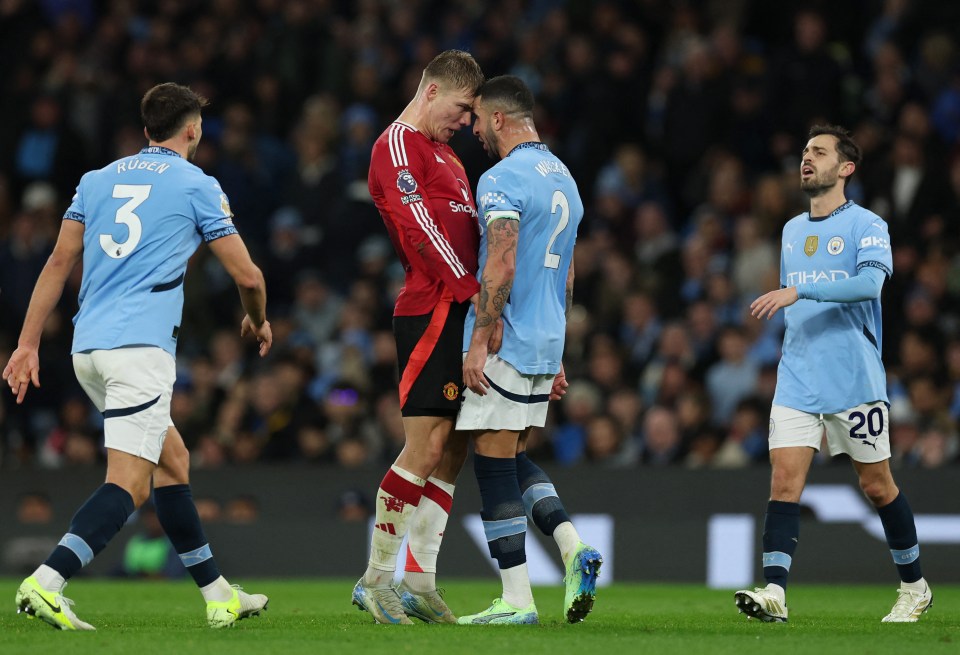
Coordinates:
[835,245]
[451,391]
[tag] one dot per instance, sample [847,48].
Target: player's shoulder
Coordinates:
[399,146]
[863,218]
[502,177]
[797,221]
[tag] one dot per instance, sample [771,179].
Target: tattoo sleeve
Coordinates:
[497,279]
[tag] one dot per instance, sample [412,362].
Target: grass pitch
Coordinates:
[167,618]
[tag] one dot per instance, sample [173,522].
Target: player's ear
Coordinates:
[146,134]
[847,168]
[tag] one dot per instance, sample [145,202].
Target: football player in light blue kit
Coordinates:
[135,223]
[529,211]
[833,263]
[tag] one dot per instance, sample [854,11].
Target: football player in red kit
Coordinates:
[421,189]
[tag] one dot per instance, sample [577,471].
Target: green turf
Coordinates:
[164,618]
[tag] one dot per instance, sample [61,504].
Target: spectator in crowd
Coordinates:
[681,118]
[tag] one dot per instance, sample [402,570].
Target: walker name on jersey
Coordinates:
[804,277]
[126,166]
[547,166]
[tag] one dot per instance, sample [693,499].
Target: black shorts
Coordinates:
[437,351]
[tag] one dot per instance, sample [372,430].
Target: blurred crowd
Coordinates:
[682,122]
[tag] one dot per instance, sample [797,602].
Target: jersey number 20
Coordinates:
[136,194]
[551,259]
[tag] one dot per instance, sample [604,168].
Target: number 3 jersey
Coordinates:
[831,350]
[143,217]
[534,187]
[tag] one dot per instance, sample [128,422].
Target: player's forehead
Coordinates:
[823,142]
[458,95]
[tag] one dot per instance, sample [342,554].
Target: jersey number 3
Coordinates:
[136,194]
[559,201]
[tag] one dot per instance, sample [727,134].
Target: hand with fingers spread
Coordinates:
[768,304]
[22,369]
[263,334]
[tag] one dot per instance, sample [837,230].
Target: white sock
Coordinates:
[219,591]
[567,539]
[516,586]
[426,532]
[919,586]
[49,578]
[397,499]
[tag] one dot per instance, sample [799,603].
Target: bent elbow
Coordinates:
[250,280]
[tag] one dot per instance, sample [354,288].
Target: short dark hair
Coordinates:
[457,68]
[847,148]
[166,107]
[509,94]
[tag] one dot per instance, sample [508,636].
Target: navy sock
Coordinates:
[93,526]
[781,532]
[901,531]
[540,499]
[178,517]
[504,522]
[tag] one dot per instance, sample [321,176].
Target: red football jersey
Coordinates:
[420,188]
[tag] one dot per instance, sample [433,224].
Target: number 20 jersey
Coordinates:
[533,186]
[143,217]
[831,350]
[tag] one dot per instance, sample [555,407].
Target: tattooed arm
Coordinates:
[495,284]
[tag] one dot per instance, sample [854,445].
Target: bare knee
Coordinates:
[880,492]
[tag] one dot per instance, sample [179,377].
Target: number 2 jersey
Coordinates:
[831,350]
[143,217]
[419,186]
[534,187]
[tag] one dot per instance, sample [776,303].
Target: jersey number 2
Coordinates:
[136,193]
[551,259]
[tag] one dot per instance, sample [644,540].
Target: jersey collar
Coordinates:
[159,150]
[539,145]
[836,211]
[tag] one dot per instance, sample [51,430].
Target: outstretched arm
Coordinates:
[865,285]
[24,365]
[495,285]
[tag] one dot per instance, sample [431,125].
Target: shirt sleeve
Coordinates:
[212,210]
[402,178]
[873,246]
[75,211]
[498,197]
[865,285]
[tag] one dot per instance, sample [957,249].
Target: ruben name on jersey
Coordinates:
[143,217]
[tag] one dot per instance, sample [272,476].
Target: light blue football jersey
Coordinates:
[143,216]
[831,350]
[532,185]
